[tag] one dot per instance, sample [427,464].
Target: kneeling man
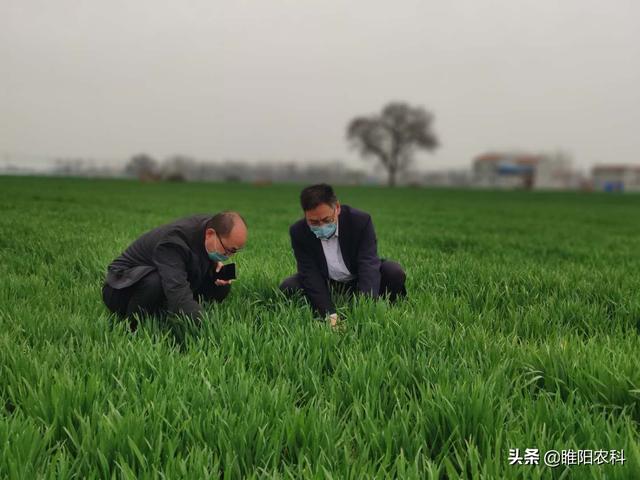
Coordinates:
[336,245]
[169,269]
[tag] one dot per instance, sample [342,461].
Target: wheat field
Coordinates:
[520,332]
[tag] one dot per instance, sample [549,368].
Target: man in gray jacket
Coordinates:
[169,269]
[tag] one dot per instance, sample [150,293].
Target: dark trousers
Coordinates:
[146,297]
[392,282]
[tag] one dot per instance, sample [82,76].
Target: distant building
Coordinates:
[524,171]
[616,178]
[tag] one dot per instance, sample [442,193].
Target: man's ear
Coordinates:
[209,232]
[337,208]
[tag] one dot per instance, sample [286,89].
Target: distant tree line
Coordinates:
[180,168]
[392,136]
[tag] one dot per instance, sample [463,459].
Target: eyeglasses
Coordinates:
[227,251]
[325,220]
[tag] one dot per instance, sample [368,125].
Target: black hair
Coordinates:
[315,195]
[224,222]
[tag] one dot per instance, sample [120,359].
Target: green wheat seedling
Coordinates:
[520,331]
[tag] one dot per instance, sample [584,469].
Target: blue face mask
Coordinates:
[217,257]
[325,231]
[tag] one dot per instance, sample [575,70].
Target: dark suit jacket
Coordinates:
[358,246]
[176,251]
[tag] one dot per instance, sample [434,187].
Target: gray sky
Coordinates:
[275,79]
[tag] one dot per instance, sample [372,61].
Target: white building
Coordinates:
[524,171]
[616,178]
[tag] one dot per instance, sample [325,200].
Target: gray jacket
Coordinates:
[176,251]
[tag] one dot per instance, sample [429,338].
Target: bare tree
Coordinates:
[393,136]
[143,167]
[179,168]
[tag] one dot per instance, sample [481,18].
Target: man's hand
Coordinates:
[220,282]
[333,320]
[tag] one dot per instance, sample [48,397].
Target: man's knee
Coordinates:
[291,284]
[152,285]
[393,274]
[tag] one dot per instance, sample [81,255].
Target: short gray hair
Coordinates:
[224,222]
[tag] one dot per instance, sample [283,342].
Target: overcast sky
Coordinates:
[275,79]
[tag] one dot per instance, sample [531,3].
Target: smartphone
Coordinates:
[228,272]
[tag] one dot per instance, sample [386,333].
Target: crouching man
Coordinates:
[335,246]
[173,267]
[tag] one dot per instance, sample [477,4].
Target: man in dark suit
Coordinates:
[335,245]
[170,268]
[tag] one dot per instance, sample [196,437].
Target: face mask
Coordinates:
[325,231]
[217,257]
